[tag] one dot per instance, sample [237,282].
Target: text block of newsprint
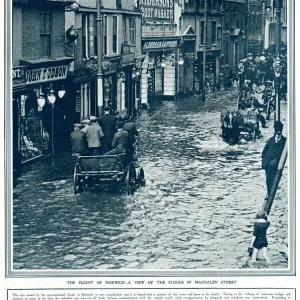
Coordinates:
[152,294]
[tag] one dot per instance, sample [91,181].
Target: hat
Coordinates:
[106,108]
[278,126]
[85,121]
[77,125]
[249,54]
[93,118]
[269,81]
[261,214]
[120,122]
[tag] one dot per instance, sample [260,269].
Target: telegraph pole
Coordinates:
[278,27]
[204,51]
[100,54]
[263,23]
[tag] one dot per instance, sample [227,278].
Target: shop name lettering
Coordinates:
[157,9]
[45,74]
[160,45]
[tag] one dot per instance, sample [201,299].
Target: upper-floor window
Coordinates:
[45,34]
[132,31]
[105,35]
[214,32]
[115,34]
[124,32]
[202,33]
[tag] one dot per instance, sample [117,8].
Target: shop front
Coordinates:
[162,72]
[39,110]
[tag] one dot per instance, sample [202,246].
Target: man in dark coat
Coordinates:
[130,127]
[272,153]
[120,143]
[78,141]
[109,127]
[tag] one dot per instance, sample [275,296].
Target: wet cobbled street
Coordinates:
[195,212]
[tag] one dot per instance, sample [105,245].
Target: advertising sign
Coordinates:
[161,10]
[46,74]
[18,75]
[159,45]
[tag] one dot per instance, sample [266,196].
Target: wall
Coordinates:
[31,33]
[16,35]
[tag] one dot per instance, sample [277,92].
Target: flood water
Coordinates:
[195,212]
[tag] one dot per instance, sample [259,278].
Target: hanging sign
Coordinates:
[46,74]
[157,9]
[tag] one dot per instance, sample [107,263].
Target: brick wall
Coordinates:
[17,35]
[31,33]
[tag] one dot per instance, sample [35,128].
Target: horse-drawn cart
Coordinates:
[238,125]
[107,169]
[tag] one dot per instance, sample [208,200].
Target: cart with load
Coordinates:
[240,124]
[116,170]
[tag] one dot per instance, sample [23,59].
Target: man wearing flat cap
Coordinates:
[272,153]
[78,141]
[94,134]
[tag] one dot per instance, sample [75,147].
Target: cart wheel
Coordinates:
[75,182]
[142,180]
[131,180]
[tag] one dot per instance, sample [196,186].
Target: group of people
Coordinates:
[107,135]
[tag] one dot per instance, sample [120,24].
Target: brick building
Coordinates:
[40,68]
[121,32]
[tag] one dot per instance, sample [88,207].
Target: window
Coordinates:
[132,31]
[115,34]
[124,28]
[202,33]
[105,35]
[214,32]
[45,35]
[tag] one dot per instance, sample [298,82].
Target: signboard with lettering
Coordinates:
[157,9]
[159,45]
[46,74]
[128,59]
[78,103]
[18,75]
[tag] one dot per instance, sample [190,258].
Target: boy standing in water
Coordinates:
[259,239]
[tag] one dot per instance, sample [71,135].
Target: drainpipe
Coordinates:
[100,54]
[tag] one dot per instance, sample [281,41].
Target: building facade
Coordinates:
[121,44]
[161,46]
[40,70]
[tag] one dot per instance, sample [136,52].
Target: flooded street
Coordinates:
[195,212]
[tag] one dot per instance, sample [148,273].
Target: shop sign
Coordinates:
[18,75]
[46,74]
[78,103]
[112,66]
[157,9]
[159,45]
[128,59]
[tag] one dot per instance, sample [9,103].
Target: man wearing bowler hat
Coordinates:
[109,127]
[272,153]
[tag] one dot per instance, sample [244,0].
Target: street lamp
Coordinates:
[51,100]
[163,61]
[277,67]
[61,93]
[41,98]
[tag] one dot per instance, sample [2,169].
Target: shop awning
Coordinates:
[47,61]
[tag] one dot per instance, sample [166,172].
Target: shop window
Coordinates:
[34,140]
[132,31]
[115,34]
[45,34]
[105,35]
[214,32]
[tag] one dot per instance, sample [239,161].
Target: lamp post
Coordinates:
[100,54]
[51,100]
[204,51]
[278,26]
[277,71]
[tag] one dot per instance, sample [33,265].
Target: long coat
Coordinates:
[272,152]
[109,127]
[78,141]
[94,134]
